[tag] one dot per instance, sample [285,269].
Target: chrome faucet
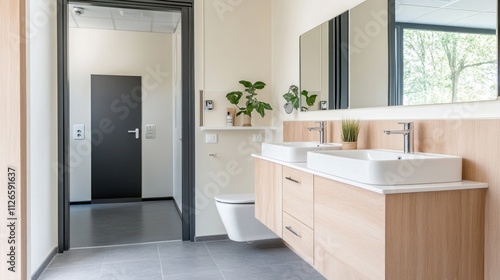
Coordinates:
[408,134]
[321,129]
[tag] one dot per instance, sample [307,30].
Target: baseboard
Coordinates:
[80,203]
[116,200]
[211,238]
[120,200]
[158,198]
[177,208]
[44,264]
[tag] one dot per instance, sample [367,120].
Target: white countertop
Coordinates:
[462,185]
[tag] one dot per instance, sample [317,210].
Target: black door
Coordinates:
[116,111]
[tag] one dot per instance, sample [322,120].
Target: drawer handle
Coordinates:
[292,231]
[290,179]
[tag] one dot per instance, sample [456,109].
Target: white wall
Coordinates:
[232,42]
[291,18]
[42,131]
[149,55]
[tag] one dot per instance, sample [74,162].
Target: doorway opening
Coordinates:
[126,123]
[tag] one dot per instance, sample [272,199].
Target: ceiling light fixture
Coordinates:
[78,11]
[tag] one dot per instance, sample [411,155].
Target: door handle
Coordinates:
[137,133]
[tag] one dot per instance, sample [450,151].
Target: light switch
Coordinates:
[150,131]
[257,138]
[79,132]
[211,138]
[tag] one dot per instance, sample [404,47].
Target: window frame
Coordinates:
[396,50]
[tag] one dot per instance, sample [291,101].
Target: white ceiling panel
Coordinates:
[95,23]
[127,14]
[92,11]
[443,17]
[71,22]
[159,27]
[124,19]
[164,17]
[482,20]
[461,13]
[133,25]
[474,5]
[427,3]
[406,13]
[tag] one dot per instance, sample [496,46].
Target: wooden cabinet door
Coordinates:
[349,227]
[269,195]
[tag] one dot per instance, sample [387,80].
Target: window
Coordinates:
[443,65]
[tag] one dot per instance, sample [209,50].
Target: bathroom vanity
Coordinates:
[352,230]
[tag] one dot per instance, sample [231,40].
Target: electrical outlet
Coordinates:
[78,132]
[211,138]
[257,138]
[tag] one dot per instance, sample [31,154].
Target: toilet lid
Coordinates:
[244,198]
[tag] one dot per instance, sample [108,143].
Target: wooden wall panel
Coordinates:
[13,136]
[297,132]
[477,141]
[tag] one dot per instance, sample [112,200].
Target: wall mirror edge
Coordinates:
[389,101]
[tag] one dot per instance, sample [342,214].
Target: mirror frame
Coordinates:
[394,85]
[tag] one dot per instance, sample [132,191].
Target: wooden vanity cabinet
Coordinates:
[430,235]
[349,233]
[269,195]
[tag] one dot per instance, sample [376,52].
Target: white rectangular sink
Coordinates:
[386,167]
[294,151]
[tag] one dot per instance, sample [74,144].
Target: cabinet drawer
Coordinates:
[298,195]
[299,236]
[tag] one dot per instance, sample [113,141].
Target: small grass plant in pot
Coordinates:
[350,132]
[252,103]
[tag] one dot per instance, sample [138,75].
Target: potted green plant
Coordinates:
[252,102]
[292,97]
[350,132]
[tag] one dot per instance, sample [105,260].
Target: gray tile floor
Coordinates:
[224,260]
[95,225]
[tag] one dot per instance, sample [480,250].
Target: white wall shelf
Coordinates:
[213,128]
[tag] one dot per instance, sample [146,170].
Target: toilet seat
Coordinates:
[245,198]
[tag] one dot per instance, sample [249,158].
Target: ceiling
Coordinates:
[95,17]
[461,13]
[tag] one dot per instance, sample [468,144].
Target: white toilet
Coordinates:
[237,212]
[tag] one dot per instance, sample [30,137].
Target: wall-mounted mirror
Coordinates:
[403,52]
[445,51]
[324,65]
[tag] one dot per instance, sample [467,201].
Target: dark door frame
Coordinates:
[188,107]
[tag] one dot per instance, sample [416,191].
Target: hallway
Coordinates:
[95,225]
